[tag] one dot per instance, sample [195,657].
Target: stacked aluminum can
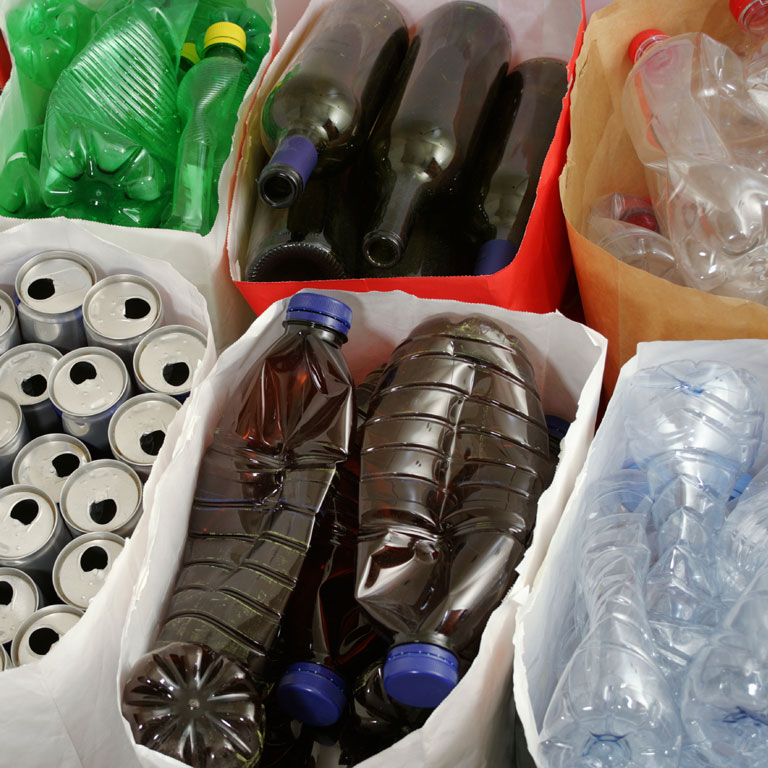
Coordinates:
[90,381]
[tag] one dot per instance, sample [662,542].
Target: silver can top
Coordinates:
[88,381]
[25,371]
[27,522]
[83,565]
[41,631]
[166,359]
[7,312]
[10,419]
[19,599]
[122,307]
[54,282]
[47,461]
[101,496]
[137,430]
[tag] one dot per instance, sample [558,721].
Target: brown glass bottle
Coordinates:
[427,130]
[322,109]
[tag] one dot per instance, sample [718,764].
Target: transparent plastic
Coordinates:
[704,143]
[626,226]
[725,702]
[199,696]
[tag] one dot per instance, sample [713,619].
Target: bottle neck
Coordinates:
[386,241]
[754,18]
[307,327]
[224,51]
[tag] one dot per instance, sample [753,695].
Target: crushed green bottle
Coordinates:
[112,126]
[207,102]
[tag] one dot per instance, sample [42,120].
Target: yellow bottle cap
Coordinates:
[225,32]
[189,52]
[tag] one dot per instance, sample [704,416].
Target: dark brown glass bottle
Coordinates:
[511,157]
[322,109]
[427,130]
[199,696]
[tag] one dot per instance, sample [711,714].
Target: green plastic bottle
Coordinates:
[208,105]
[20,193]
[112,127]
[188,59]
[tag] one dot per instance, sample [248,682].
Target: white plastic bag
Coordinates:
[568,362]
[56,712]
[200,259]
[542,620]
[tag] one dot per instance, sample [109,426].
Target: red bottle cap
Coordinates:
[641,41]
[739,10]
[739,6]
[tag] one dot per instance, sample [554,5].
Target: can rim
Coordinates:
[33,346]
[42,256]
[81,470]
[79,352]
[130,402]
[33,489]
[109,280]
[70,547]
[38,614]
[149,337]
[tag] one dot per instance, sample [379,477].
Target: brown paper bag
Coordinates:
[623,303]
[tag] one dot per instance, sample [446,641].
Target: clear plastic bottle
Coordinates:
[455,455]
[704,143]
[260,485]
[322,109]
[695,429]
[752,16]
[612,707]
[207,102]
[626,226]
[725,698]
[432,122]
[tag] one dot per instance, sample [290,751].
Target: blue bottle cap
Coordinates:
[495,255]
[419,674]
[321,309]
[557,427]
[283,178]
[312,694]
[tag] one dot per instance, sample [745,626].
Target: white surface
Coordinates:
[568,362]
[542,620]
[60,712]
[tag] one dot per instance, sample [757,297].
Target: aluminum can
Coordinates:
[50,289]
[24,375]
[19,599]
[10,333]
[119,311]
[32,532]
[86,387]
[14,435]
[83,565]
[102,497]
[41,631]
[5,659]
[166,359]
[138,429]
[47,461]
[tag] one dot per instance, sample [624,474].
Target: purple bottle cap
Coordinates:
[312,694]
[420,674]
[495,255]
[284,177]
[321,309]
